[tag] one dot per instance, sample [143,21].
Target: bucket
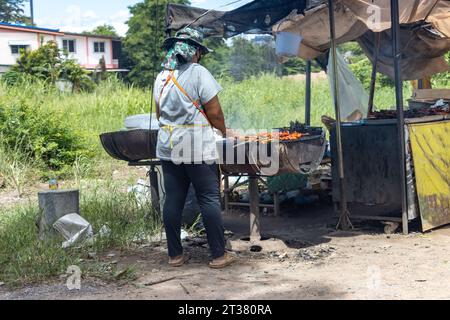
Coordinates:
[287,43]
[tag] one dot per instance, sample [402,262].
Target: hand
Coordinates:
[230,133]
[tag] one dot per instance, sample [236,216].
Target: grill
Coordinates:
[290,155]
[139,145]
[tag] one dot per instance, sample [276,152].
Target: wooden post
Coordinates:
[255,234]
[276,204]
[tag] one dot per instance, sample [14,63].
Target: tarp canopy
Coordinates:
[257,16]
[424,35]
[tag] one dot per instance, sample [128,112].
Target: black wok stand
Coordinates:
[154,189]
[153,179]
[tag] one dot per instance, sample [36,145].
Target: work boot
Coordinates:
[222,262]
[178,261]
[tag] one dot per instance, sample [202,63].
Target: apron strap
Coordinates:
[196,104]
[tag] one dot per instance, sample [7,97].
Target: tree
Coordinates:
[12,11]
[250,59]
[103,30]
[144,60]
[218,62]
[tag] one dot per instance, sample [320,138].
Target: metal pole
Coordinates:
[374,70]
[154,189]
[226,193]
[152,100]
[344,221]
[308,94]
[400,116]
[32,12]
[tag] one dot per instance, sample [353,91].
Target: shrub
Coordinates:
[48,63]
[27,125]
[12,78]
[442,80]
[363,71]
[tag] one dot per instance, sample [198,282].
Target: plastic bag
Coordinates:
[74,229]
[352,95]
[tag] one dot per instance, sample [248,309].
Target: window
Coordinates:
[16,48]
[99,47]
[69,46]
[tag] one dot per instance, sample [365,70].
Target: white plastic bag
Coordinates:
[74,229]
[352,95]
[142,192]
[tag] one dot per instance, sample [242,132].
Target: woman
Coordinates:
[188,111]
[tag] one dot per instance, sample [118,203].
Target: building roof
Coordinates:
[49,31]
[31,28]
[92,35]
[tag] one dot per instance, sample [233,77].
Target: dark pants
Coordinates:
[204,178]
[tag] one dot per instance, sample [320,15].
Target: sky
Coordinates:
[84,15]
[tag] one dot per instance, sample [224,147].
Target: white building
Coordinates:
[86,49]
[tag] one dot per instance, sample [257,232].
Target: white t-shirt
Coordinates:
[185,135]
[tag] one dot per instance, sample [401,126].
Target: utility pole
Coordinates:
[32,12]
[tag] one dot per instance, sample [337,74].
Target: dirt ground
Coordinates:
[309,261]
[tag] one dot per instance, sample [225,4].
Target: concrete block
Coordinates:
[54,204]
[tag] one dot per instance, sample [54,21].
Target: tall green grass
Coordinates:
[89,113]
[262,102]
[268,101]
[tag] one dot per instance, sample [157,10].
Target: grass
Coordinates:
[25,259]
[90,113]
[269,102]
[15,168]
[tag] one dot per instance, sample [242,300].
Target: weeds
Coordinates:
[82,167]
[15,168]
[24,259]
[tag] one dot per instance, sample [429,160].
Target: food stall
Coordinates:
[405,43]
[380,144]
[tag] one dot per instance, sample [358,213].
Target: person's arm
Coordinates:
[215,115]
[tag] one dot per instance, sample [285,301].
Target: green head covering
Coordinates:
[184,45]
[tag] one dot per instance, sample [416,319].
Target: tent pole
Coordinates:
[374,70]
[400,115]
[344,220]
[308,94]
